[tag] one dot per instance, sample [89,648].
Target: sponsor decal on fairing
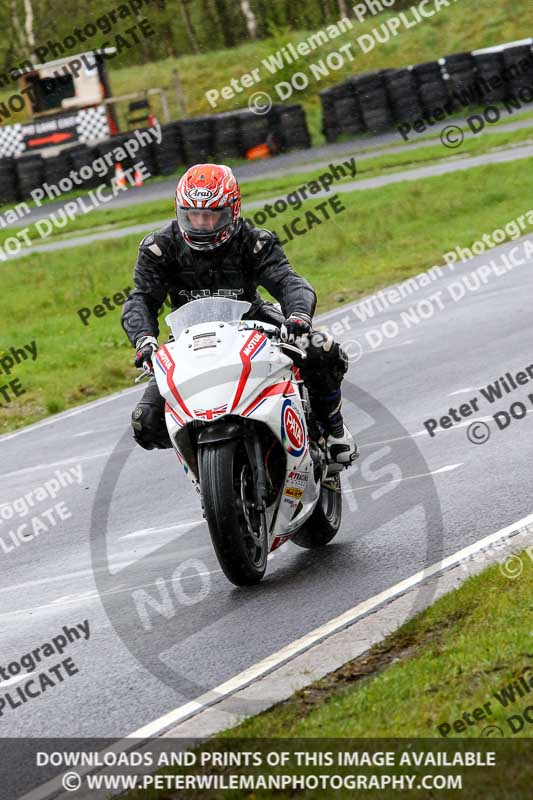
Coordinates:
[292,429]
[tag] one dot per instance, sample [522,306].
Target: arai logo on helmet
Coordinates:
[196,193]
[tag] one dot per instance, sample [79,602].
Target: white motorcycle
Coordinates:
[238,417]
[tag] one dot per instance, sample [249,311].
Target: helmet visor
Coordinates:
[208,222]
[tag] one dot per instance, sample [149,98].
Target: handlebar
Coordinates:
[146,373]
[274,333]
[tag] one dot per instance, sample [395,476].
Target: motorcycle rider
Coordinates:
[209,250]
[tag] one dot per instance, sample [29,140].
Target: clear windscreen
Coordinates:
[207,309]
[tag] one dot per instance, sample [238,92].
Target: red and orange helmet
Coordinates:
[208,205]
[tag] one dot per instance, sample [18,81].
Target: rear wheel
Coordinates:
[324,523]
[238,530]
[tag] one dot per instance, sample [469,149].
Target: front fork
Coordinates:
[255,456]
[317,443]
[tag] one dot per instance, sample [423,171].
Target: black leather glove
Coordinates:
[296,326]
[146,347]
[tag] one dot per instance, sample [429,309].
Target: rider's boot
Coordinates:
[340,446]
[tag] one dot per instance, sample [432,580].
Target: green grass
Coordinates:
[444,662]
[268,187]
[454,29]
[382,237]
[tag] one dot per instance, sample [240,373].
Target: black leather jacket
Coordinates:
[253,257]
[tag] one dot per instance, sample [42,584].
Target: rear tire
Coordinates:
[237,530]
[324,523]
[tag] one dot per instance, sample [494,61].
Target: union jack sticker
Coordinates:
[210,413]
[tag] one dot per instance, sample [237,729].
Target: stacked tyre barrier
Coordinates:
[460,73]
[9,191]
[184,143]
[169,155]
[30,174]
[432,88]
[371,92]
[375,101]
[82,156]
[490,69]
[512,58]
[403,95]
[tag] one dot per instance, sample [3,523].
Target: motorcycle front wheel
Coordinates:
[238,531]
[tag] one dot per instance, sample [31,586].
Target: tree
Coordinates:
[343,8]
[188,25]
[226,23]
[249,16]
[18,29]
[28,24]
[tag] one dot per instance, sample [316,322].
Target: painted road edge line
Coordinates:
[335,625]
[158,727]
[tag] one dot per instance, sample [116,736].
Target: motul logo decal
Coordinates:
[165,358]
[251,345]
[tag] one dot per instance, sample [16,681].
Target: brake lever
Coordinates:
[146,373]
[301,353]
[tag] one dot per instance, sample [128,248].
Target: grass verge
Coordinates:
[420,680]
[447,667]
[381,237]
[454,29]
[111,219]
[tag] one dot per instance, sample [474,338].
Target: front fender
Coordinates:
[221,431]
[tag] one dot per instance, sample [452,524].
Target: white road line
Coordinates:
[96,431]
[74,599]
[269,664]
[70,413]
[64,462]
[16,679]
[287,653]
[448,468]
[463,391]
[153,531]
[425,432]
[387,347]
[116,395]
[396,439]
[65,576]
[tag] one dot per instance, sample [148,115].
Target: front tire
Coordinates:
[324,523]
[238,531]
